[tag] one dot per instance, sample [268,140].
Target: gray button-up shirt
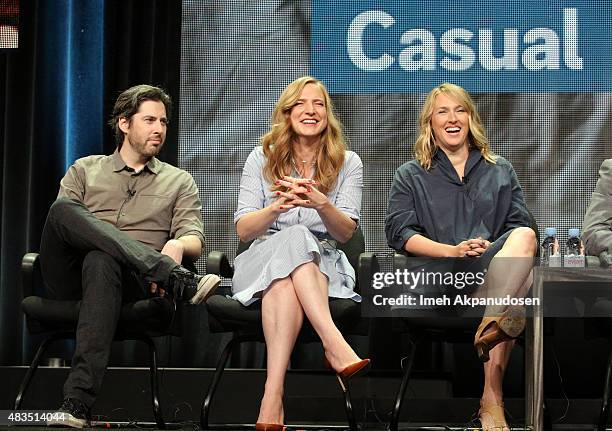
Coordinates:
[154,205]
[488,202]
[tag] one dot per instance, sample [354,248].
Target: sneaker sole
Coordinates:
[206,287]
[68,421]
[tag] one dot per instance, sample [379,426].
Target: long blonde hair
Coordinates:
[425,146]
[277,142]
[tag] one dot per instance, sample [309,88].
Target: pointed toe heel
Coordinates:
[353,370]
[260,426]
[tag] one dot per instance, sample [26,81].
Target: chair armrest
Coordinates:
[30,269]
[217,263]
[400,260]
[605,260]
[368,265]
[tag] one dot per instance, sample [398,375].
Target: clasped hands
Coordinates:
[473,247]
[299,192]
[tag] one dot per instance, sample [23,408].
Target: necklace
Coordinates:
[304,165]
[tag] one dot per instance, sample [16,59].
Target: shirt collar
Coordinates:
[119,165]
[473,157]
[443,162]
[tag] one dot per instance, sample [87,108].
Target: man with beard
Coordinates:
[118,231]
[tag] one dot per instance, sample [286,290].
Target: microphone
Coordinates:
[464,180]
[131,193]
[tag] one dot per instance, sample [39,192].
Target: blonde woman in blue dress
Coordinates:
[300,192]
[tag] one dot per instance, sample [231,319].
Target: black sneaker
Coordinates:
[72,413]
[185,285]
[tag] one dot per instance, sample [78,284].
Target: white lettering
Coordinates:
[570,39]
[421,51]
[508,61]
[450,45]
[541,47]
[354,42]
[542,55]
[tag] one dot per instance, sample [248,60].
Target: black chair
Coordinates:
[56,320]
[457,328]
[426,326]
[227,315]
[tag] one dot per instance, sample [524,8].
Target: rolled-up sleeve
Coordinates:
[517,213]
[72,185]
[597,226]
[187,211]
[401,222]
[252,194]
[348,199]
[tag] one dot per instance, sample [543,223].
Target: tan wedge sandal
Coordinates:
[496,420]
[501,328]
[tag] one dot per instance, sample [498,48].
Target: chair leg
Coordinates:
[157,410]
[30,373]
[348,406]
[605,402]
[221,364]
[407,366]
[547,418]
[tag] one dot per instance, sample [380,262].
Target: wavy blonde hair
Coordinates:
[277,142]
[425,145]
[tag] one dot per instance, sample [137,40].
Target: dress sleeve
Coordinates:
[518,215]
[348,199]
[401,222]
[187,211]
[252,195]
[597,225]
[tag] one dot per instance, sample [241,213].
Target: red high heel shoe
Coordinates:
[506,327]
[353,370]
[260,426]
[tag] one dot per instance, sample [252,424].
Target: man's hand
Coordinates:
[173,248]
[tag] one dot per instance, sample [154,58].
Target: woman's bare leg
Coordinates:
[282,318]
[311,287]
[509,274]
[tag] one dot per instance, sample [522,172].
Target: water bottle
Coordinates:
[550,255]
[574,251]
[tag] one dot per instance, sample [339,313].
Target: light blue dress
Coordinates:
[297,236]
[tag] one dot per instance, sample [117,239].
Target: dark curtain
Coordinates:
[56,94]
[143,45]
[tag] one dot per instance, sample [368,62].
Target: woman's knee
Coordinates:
[297,235]
[523,241]
[279,287]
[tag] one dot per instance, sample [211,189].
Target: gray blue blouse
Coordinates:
[487,202]
[255,194]
[296,236]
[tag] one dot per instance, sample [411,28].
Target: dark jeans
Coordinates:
[85,258]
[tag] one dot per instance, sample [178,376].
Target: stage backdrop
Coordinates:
[539,72]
